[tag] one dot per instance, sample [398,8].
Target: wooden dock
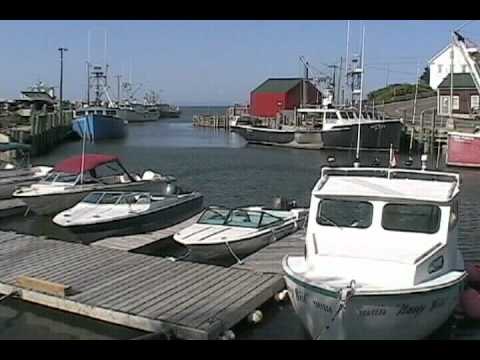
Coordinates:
[181,299]
[132,242]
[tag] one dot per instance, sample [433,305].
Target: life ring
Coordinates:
[470,303]
[473,279]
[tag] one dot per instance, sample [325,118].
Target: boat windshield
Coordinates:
[117,198]
[420,218]
[345,213]
[55,177]
[238,217]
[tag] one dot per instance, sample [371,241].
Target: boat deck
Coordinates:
[181,299]
[132,242]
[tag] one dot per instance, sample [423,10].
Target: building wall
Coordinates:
[267,104]
[440,67]
[464,100]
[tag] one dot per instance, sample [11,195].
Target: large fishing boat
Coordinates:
[381,259]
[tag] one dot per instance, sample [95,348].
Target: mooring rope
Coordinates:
[180,257]
[4,297]
[345,295]
[233,254]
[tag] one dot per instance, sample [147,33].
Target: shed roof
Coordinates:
[277,85]
[460,81]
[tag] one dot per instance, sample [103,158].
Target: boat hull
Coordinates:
[52,204]
[99,127]
[463,150]
[275,137]
[378,135]
[372,317]
[147,222]
[241,248]
[132,116]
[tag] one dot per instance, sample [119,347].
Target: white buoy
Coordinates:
[280,296]
[255,317]
[227,335]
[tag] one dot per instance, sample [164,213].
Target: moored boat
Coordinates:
[222,233]
[381,257]
[73,178]
[103,214]
[99,123]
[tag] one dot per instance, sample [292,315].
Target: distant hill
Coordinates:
[400,92]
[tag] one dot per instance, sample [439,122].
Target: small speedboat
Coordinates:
[73,178]
[232,233]
[103,214]
[381,257]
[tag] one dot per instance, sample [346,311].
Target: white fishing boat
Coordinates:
[225,233]
[381,258]
[73,178]
[103,214]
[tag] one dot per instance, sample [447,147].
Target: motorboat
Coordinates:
[104,213]
[381,258]
[16,170]
[73,178]
[222,232]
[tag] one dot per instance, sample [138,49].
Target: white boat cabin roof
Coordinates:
[384,183]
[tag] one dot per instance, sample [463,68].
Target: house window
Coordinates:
[474,101]
[456,103]
[440,66]
[444,105]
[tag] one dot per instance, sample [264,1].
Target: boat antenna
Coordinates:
[357,157]
[345,85]
[84,137]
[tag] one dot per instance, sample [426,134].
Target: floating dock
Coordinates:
[180,299]
[133,242]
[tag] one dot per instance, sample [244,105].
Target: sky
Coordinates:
[213,62]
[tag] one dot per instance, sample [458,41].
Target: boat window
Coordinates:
[110,198]
[268,219]
[80,113]
[61,178]
[111,112]
[331,115]
[214,216]
[244,218]
[351,115]
[93,198]
[345,213]
[344,115]
[411,218]
[365,115]
[91,112]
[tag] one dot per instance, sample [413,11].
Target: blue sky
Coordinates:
[212,62]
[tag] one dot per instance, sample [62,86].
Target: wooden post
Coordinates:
[434,118]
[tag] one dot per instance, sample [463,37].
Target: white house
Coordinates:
[439,65]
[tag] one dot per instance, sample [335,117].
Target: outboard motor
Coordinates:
[280,203]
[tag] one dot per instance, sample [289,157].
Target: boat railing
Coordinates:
[392,173]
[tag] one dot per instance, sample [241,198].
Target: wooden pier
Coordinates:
[180,299]
[133,242]
[217,121]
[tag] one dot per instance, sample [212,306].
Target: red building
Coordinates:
[275,95]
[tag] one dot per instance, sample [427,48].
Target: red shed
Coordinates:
[275,95]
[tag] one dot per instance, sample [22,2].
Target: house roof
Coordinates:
[73,165]
[439,53]
[277,85]
[460,81]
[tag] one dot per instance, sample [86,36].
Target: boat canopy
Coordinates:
[14,146]
[73,165]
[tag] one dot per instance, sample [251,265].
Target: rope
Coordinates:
[233,254]
[345,295]
[13,293]
[180,257]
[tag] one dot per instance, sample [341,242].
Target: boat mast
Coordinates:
[451,77]
[361,94]
[345,85]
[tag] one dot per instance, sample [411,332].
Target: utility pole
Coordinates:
[61,82]
[340,87]
[388,73]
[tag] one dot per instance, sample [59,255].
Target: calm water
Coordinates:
[227,172]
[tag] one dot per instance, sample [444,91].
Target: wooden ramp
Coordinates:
[183,299]
[269,259]
[132,242]
[11,207]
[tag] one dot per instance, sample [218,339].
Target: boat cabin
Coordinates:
[388,227]
[327,118]
[96,111]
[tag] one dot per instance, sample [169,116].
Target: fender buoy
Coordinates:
[470,303]
[473,271]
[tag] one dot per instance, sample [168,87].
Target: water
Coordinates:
[227,172]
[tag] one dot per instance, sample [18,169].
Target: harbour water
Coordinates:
[227,172]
